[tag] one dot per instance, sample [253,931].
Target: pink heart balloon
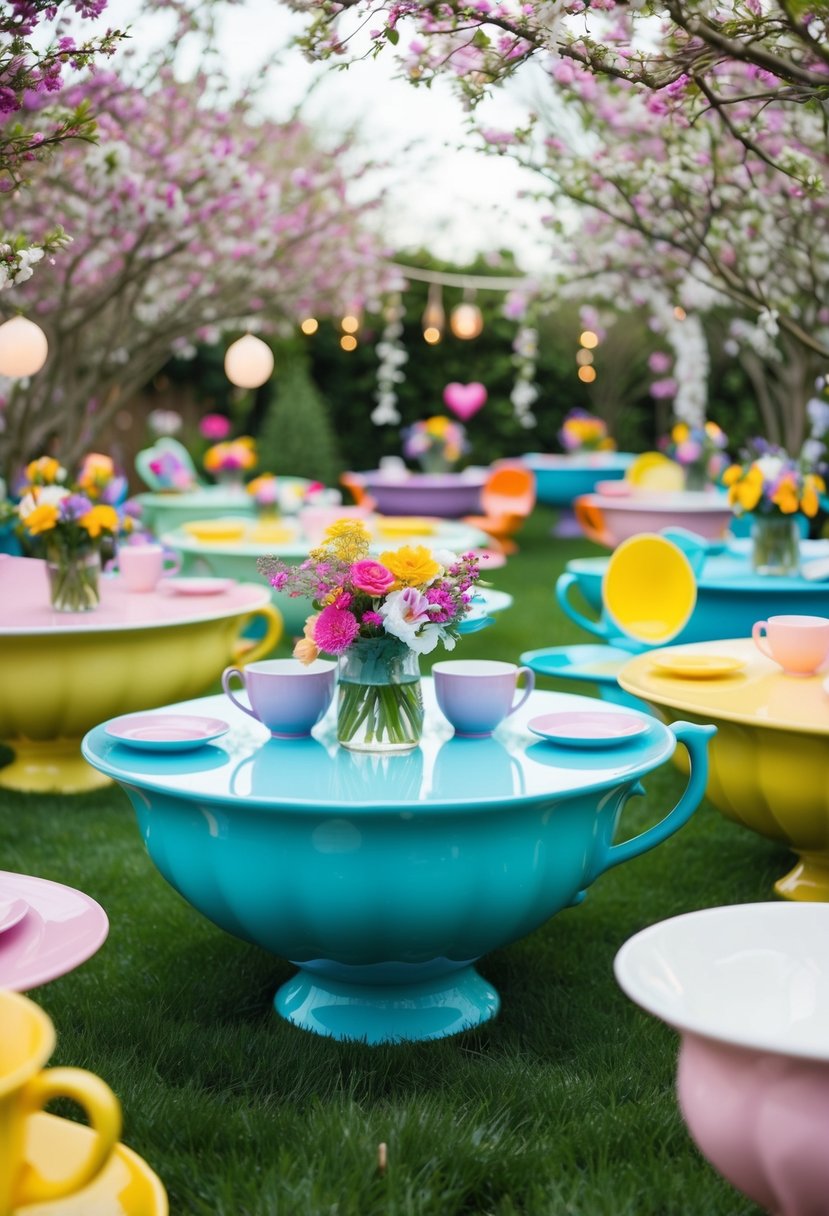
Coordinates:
[464,400]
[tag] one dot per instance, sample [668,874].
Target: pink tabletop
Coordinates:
[61,929]
[25,609]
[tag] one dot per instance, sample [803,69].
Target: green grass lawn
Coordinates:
[564,1104]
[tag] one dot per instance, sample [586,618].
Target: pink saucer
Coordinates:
[62,928]
[11,912]
[590,728]
[165,732]
[195,586]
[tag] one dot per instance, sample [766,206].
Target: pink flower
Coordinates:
[335,629]
[214,426]
[371,577]
[664,388]
[659,362]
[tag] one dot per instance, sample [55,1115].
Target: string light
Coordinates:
[587,374]
[23,348]
[434,317]
[309,326]
[350,323]
[466,320]
[348,342]
[584,357]
[680,313]
[248,362]
[588,339]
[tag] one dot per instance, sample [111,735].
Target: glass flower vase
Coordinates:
[379,697]
[775,545]
[73,581]
[435,462]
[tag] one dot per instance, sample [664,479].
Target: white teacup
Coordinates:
[477,694]
[143,566]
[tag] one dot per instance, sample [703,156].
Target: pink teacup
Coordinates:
[477,694]
[286,696]
[143,566]
[799,644]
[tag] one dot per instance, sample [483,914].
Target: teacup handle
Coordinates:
[563,584]
[529,685]
[695,738]
[104,1112]
[227,676]
[245,651]
[759,637]
[591,521]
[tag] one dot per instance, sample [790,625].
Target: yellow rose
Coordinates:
[748,492]
[411,567]
[42,519]
[785,496]
[100,519]
[732,474]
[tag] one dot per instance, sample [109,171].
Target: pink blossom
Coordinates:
[371,577]
[335,629]
[661,389]
[659,362]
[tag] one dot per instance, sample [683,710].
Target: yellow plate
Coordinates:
[215,529]
[405,525]
[125,1187]
[271,534]
[697,666]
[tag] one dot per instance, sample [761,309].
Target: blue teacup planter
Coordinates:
[385,892]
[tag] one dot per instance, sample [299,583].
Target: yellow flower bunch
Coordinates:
[411,566]
[583,432]
[234,455]
[773,483]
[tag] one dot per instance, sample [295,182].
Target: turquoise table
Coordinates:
[383,878]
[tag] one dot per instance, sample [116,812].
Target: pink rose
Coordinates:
[371,577]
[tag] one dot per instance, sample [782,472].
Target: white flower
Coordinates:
[406,616]
[770,466]
[48,496]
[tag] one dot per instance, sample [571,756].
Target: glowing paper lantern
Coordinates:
[23,347]
[248,362]
[466,321]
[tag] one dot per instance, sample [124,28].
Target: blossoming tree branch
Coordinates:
[188,217]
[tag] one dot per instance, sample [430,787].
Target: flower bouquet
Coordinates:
[230,460]
[377,617]
[775,486]
[584,432]
[700,451]
[436,443]
[67,524]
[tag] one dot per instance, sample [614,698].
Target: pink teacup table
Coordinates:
[60,673]
[60,929]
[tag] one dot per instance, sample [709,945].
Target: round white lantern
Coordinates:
[23,348]
[248,362]
[466,321]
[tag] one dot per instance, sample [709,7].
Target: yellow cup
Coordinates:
[649,590]
[27,1039]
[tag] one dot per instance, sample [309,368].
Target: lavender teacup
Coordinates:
[286,696]
[477,694]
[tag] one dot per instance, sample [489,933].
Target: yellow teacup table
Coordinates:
[769,765]
[61,673]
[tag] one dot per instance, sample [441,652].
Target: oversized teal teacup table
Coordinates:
[384,878]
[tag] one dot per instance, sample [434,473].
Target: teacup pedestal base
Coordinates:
[388,1013]
[808,881]
[49,766]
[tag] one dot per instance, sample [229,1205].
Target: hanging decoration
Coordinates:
[466,320]
[434,317]
[248,362]
[23,348]
[464,400]
[393,358]
[525,391]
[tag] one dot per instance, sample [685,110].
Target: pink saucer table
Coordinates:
[61,673]
[61,929]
